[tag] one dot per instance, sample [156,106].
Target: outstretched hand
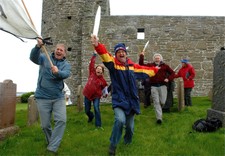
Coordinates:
[94,40]
[142,53]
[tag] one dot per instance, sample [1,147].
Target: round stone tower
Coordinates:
[62,20]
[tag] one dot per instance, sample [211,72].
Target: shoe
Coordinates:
[112,150]
[159,121]
[90,119]
[51,152]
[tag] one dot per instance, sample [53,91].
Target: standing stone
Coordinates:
[7,108]
[32,111]
[218,103]
[80,98]
[7,103]
[180,94]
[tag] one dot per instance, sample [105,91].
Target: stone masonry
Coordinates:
[175,37]
[218,105]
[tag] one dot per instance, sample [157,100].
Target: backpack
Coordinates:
[207,125]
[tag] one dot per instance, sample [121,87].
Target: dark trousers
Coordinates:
[147,100]
[187,96]
[169,99]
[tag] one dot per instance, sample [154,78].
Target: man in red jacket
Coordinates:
[187,72]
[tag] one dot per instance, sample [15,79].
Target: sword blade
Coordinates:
[97,21]
[146,44]
[175,69]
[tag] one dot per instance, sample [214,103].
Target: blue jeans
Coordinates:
[122,120]
[87,103]
[56,107]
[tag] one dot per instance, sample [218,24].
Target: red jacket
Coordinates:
[188,74]
[95,84]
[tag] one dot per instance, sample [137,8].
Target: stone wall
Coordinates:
[175,37]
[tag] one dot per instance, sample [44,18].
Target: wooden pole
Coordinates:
[43,47]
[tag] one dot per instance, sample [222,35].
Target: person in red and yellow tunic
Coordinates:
[125,101]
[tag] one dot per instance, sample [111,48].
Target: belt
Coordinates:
[157,85]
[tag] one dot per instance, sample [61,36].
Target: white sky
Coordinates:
[15,63]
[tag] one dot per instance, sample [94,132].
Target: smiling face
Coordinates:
[121,56]
[99,70]
[60,51]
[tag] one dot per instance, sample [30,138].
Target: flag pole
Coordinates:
[43,47]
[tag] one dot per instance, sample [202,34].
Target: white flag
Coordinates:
[14,20]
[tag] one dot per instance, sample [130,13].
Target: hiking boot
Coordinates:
[159,121]
[90,119]
[112,150]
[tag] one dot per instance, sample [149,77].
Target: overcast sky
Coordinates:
[15,63]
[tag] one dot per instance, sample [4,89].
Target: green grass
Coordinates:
[174,137]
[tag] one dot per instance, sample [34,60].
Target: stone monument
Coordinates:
[32,111]
[80,98]
[180,94]
[7,108]
[218,99]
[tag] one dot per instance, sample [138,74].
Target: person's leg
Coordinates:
[88,112]
[45,110]
[162,94]
[188,96]
[156,102]
[98,122]
[169,99]
[185,96]
[119,122]
[129,128]
[147,92]
[59,112]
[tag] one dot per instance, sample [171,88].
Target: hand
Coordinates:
[39,42]
[54,69]
[94,40]
[166,80]
[142,53]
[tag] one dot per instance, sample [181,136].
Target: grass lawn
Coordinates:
[174,137]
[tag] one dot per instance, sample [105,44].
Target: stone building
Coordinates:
[175,37]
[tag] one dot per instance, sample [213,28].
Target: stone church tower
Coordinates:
[175,37]
[62,20]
